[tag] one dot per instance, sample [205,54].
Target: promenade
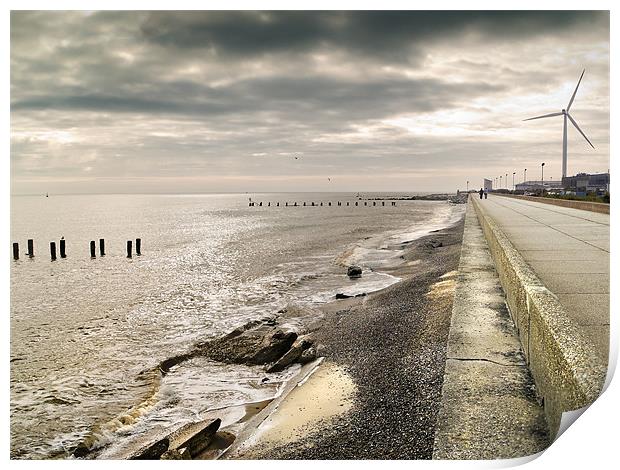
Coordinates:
[529,333]
[568,249]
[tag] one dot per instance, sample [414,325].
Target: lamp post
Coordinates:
[542,177]
[513,180]
[467,186]
[506,181]
[500,181]
[524,173]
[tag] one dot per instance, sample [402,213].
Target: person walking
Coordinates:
[481,192]
[486,193]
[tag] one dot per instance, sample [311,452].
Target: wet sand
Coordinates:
[326,393]
[378,391]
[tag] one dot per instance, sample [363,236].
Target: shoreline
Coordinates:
[419,260]
[374,402]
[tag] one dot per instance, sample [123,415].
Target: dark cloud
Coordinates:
[387,34]
[295,99]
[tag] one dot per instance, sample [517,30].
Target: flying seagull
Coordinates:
[566,115]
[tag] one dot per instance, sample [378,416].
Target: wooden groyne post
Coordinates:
[129,243]
[15,251]
[138,246]
[101,247]
[31,248]
[93,253]
[63,253]
[53,250]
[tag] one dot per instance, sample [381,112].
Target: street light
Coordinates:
[524,172]
[513,180]
[542,178]
[506,181]
[500,181]
[467,186]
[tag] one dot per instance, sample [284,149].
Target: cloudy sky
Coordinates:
[282,101]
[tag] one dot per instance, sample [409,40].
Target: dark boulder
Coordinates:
[340,295]
[273,348]
[292,355]
[354,271]
[257,346]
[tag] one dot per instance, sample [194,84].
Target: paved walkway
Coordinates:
[569,251]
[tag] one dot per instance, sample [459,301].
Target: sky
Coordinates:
[241,101]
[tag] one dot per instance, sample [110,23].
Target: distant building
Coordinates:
[584,182]
[538,185]
[488,184]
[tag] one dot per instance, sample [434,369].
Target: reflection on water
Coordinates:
[82,330]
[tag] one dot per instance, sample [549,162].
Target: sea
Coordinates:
[84,330]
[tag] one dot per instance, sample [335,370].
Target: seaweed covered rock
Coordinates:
[256,346]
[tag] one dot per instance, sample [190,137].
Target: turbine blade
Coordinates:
[580,131]
[545,116]
[575,92]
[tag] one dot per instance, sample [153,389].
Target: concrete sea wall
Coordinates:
[567,372]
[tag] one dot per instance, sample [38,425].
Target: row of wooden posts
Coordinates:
[312,204]
[63,251]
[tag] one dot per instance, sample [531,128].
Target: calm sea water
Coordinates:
[83,330]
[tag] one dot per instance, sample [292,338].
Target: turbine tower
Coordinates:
[566,115]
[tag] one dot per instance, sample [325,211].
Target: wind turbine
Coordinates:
[564,113]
